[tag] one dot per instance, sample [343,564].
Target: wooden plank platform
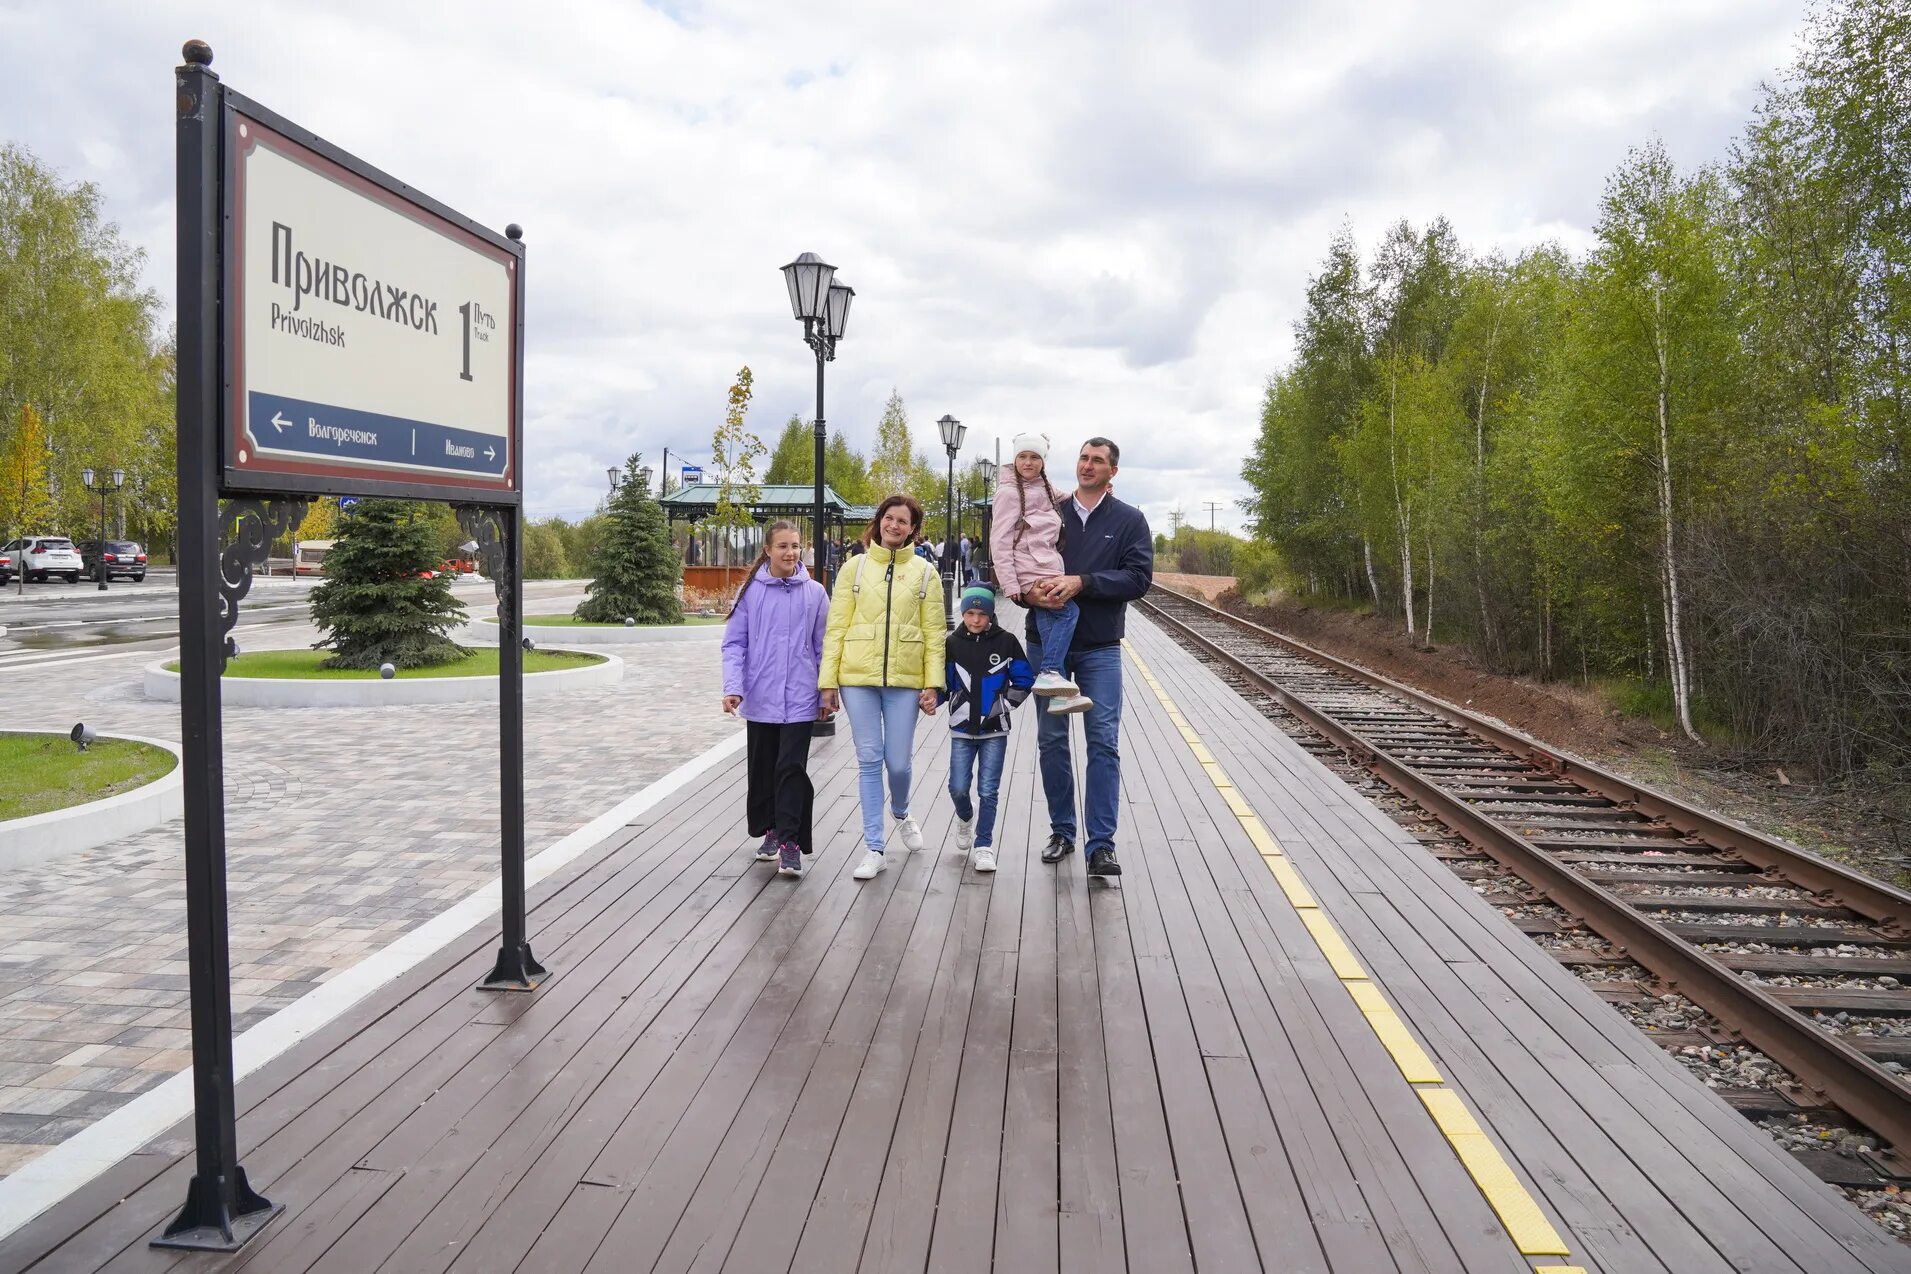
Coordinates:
[1033,1071]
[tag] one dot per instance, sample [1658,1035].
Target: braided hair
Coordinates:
[1021,497]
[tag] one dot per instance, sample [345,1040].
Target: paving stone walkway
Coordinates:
[346,827]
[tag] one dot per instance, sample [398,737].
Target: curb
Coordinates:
[25,842]
[486,631]
[292,692]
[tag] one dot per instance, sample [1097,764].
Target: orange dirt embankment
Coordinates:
[1206,587]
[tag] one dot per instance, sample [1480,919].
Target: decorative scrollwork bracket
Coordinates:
[256,523]
[486,527]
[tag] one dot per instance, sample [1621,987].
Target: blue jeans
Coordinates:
[1055,633]
[882,719]
[980,758]
[1098,672]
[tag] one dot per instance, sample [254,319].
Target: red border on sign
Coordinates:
[235,439]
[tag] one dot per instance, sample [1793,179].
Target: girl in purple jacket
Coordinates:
[772,652]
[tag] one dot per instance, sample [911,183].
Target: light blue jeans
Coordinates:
[882,719]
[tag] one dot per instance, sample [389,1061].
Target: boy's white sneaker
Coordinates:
[911,834]
[1050,684]
[965,833]
[983,859]
[1073,703]
[871,866]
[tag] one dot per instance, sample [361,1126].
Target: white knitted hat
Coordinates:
[1038,443]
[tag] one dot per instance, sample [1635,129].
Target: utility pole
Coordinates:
[1212,506]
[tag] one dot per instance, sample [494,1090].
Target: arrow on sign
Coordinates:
[282,423]
[490,453]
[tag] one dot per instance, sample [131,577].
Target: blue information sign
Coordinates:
[340,435]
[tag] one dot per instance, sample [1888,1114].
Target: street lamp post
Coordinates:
[615,475]
[108,483]
[952,431]
[985,479]
[821,304]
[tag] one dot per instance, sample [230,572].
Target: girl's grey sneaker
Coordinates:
[1050,684]
[1072,703]
[965,833]
[983,859]
[789,860]
[871,866]
[911,834]
[766,852]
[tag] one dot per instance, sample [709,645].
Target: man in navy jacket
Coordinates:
[1110,559]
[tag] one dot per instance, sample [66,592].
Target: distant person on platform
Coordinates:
[1108,557]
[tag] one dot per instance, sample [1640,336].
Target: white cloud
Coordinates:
[1077,216]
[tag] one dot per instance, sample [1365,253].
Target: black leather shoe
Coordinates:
[1059,847]
[1102,863]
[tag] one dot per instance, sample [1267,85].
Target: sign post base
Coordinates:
[203,1225]
[517,970]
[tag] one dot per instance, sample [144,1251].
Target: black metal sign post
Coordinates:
[221,1210]
[236,439]
[500,549]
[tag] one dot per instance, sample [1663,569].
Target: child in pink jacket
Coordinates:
[1025,545]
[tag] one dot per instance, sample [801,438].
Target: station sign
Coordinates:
[371,335]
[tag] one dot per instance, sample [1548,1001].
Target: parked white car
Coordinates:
[40,556]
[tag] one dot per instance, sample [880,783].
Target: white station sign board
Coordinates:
[372,340]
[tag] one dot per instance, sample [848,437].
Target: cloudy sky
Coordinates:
[1070,216]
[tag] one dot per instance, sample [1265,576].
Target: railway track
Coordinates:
[1785,949]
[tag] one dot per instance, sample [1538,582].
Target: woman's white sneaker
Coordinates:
[1048,684]
[965,833]
[911,834]
[870,867]
[983,859]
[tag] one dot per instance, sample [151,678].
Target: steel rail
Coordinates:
[1846,1077]
[1881,902]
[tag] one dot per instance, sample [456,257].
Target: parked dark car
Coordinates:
[117,557]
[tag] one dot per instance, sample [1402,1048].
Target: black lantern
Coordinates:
[809,278]
[840,295]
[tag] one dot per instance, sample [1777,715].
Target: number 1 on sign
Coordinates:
[465,310]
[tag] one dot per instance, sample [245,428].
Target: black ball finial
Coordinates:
[514,232]
[197,53]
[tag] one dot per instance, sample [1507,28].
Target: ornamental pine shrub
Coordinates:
[373,606]
[633,565]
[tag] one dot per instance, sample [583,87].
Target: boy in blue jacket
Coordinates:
[988,675]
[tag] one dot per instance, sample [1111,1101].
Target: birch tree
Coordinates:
[1663,343]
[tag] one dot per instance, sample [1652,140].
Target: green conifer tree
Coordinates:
[634,567]
[373,605]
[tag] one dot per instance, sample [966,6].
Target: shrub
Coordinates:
[373,605]
[634,569]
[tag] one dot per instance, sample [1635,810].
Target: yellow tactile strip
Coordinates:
[1519,1212]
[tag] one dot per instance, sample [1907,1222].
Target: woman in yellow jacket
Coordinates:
[883,663]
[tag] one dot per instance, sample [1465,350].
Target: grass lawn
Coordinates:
[42,772]
[572,621]
[482,662]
